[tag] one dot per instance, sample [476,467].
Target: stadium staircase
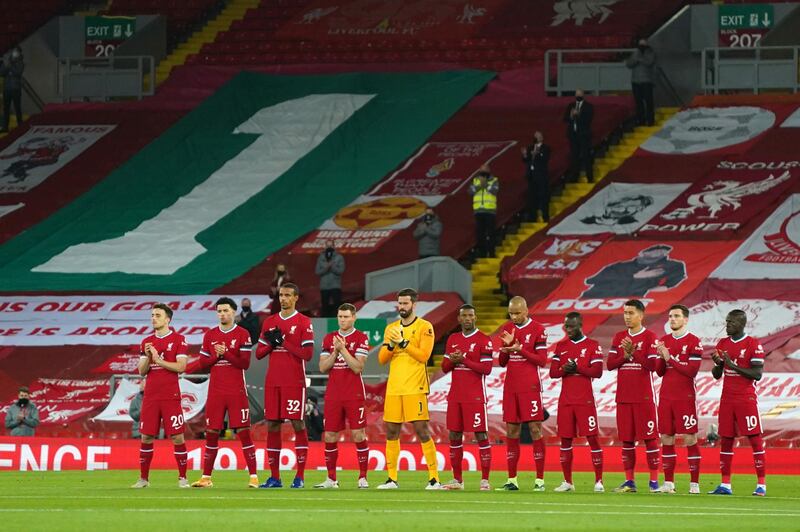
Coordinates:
[235,10]
[487,293]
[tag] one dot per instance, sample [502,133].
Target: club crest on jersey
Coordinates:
[683,349]
[169,346]
[233,343]
[583,353]
[471,346]
[292,329]
[527,338]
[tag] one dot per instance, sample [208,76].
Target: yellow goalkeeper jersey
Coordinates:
[407,373]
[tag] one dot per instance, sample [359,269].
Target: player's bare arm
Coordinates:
[356,364]
[662,350]
[627,348]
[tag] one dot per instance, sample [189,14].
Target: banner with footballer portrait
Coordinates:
[725,201]
[556,257]
[656,272]
[619,208]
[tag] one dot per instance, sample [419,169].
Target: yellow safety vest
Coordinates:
[483,199]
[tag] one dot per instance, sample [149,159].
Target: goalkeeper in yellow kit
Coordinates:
[407,346]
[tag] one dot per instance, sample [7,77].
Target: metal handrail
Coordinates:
[717,53]
[559,59]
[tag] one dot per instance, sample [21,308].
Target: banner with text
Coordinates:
[42,151]
[724,201]
[61,401]
[772,251]
[658,273]
[439,168]
[193,400]
[555,257]
[619,208]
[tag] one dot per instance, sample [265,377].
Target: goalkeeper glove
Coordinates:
[274,336]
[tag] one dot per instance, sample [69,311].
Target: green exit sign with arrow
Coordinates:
[104,34]
[743,25]
[372,327]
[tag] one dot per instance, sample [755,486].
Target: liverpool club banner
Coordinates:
[619,208]
[42,151]
[726,200]
[772,251]
[556,257]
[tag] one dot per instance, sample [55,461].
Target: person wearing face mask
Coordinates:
[484,189]
[651,270]
[642,63]
[428,234]
[578,117]
[11,70]
[248,320]
[537,158]
[22,417]
[280,278]
[330,267]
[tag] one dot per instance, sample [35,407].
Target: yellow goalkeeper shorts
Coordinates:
[405,408]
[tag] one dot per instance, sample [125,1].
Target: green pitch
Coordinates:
[101,500]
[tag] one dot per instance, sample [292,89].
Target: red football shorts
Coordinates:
[284,402]
[466,417]
[637,421]
[739,417]
[336,412]
[521,407]
[574,420]
[153,412]
[677,417]
[237,406]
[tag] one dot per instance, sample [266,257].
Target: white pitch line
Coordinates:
[459,502]
[387,511]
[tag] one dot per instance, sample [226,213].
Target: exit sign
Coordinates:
[743,25]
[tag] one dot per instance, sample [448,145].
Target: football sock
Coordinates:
[726,459]
[145,457]
[248,450]
[274,443]
[629,458]
[456,456]
[512,455]
[653,458]
[538,457]
[429,452]
[180,459]
[210,455]
[392,455]
[362,452]
[331,454]
[694,462]
[485,448]
[566,458]
[668,454]
[597,457]
[759,457]
[301,450]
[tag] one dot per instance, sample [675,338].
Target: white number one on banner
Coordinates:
[167,242]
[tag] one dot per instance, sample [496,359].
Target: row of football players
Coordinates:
[288,338]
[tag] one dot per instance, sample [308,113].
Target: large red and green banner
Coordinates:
[218,192]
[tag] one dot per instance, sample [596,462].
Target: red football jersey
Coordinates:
[467,384]
[634,378]
[686,353]
[286,369]
[343,384]
[746,352]
[225,378]
[576,388]
[522,374]
[162,383]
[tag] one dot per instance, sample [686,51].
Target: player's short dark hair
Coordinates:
[574,316]
[408,292]
[348,307]
[738,313]
[635,303]
[163,306]
[683,308]
[465,306]
[658,247]
[293,287]
[24,389]
[226,301]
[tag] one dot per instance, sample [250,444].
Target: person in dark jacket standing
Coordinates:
[642,63]
[578,117]
[428,234]
[11,69]
[330,267]
[537,158]
[22,417]
[248,320]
